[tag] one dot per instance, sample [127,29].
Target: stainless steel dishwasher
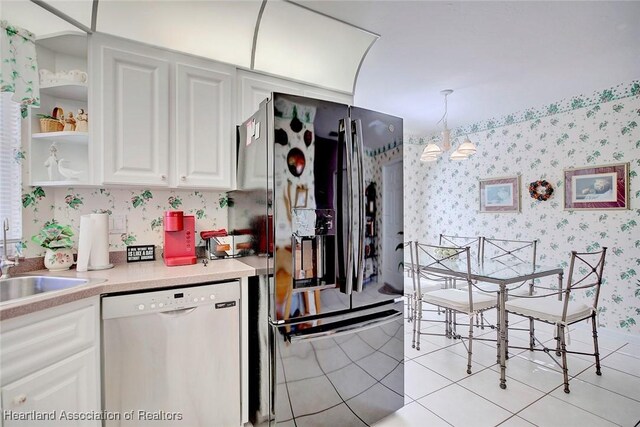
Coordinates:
[172,357]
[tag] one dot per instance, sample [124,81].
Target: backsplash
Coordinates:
[143,208]
[443,197]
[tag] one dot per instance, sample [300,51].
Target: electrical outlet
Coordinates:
[117,224]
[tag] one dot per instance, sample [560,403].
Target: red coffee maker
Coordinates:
[179,238]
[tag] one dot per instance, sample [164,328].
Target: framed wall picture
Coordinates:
[597,187]
[500,194]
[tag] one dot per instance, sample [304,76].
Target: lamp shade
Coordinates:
[467,147]
[432,148]
[456,155]
[428,158]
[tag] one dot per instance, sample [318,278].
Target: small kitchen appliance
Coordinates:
[179,238]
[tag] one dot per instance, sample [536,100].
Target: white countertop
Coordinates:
[123,278]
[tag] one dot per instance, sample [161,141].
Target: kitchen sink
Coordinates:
[22,287]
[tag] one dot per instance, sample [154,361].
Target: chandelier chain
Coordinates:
[444,116]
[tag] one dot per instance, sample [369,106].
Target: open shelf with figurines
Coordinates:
[59,149]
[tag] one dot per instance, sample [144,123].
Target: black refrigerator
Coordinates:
[320,190]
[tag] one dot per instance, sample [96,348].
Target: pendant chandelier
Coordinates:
[432,151]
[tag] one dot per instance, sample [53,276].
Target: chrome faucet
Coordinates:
[5,262]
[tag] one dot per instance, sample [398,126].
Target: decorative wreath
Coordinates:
[542,196]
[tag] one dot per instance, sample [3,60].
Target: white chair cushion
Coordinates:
[426,285]
[458,300]
[492,289]
[548,309]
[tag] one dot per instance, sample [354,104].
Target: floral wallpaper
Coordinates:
[443,197]
[143,208]
[18,67]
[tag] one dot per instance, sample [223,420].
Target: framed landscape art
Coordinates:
[500,194]
[597,187]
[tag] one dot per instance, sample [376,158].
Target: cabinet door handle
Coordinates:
[184,178]
[19,399]
[163,177]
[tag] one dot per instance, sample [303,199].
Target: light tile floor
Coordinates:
[438,391]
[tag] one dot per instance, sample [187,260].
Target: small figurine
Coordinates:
[67,172]
[52,161]
[69,123]
[82,121]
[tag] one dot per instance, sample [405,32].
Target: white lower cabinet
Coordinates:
[50,366]
[65,394]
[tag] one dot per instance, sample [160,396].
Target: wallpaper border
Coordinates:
[378,151]
[620,91]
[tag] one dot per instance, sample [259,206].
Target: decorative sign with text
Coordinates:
[141,253]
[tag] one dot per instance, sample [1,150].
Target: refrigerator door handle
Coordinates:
[345,327]
[359,264]
[347,274]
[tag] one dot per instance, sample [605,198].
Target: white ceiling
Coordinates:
[499,57]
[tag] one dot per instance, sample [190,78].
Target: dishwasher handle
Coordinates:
[177,313]
[345,327]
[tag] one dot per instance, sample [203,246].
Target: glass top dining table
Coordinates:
[502,274]
[492,271]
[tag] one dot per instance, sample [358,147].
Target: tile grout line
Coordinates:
[569,403]
[456,383]
[608,367]
[434,414]
[513,414]
[544,393]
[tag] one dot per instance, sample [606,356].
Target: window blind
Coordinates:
[10,167]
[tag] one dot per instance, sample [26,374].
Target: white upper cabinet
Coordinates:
[328,95]
[164,118]
[135,117]
[204,131]
[253,88]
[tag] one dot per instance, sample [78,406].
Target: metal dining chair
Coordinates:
[510,252]
[452,300]
[563,308]
[409,279]
[421,283]
[473,243]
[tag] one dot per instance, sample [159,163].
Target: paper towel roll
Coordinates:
[93,243]
[99,258]
[84,243]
